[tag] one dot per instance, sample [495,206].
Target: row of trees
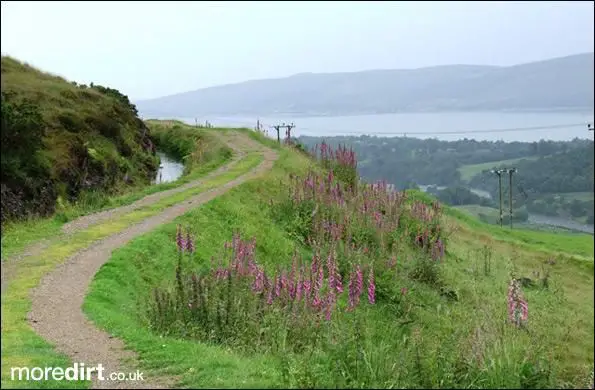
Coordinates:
[555,168]
[403,160]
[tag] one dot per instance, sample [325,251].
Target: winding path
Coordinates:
[56,312]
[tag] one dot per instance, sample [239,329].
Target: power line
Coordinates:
[406,133]
[514,129]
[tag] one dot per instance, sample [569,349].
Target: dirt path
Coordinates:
[56,312]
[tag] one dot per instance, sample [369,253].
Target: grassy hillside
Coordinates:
[61,140]
[431,319]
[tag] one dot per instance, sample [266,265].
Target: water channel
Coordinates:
[169,169]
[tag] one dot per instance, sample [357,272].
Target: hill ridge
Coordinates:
[437,88]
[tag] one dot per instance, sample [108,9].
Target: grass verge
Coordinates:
[573,244]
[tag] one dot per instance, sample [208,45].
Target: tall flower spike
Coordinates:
[338,282]
[371,287]
[359,281]
[180,239]
[352,291]
[189,243]
[518,310]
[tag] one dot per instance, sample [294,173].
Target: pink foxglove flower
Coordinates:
[518,309]
[180,239]
[371,287]
[189,243]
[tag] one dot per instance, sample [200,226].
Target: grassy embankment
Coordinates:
[448,327]
[70,150]
[64,143]
[201,150]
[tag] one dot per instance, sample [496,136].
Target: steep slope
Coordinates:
[60,139]
[557,83]
[426,323]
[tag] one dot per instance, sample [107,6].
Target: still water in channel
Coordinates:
[169,169]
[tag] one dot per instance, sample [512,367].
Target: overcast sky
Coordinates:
[152,49]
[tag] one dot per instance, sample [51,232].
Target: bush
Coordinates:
[59,138]
[24,173]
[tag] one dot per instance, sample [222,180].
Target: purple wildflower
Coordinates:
[258,284]
[330,302]
[518,309]
[355,287]
[338,283]
[189,243]
[277,286]
[359,281]
[299,286]
[307,288]
[180,239]
[371,287]
[270,296]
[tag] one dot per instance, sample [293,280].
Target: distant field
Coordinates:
[475,210]
[492,214]
[468,171]
[582,196]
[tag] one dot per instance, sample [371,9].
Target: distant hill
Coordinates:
[560,83]
[60,140]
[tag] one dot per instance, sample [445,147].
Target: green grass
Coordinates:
[20,345]
[468,171]
[475,210]
[492,214]
[116,295]
[575,244]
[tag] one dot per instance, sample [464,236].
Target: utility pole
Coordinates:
[287,131]
[499,172]
[590,128]
[278,136]
[510,172]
